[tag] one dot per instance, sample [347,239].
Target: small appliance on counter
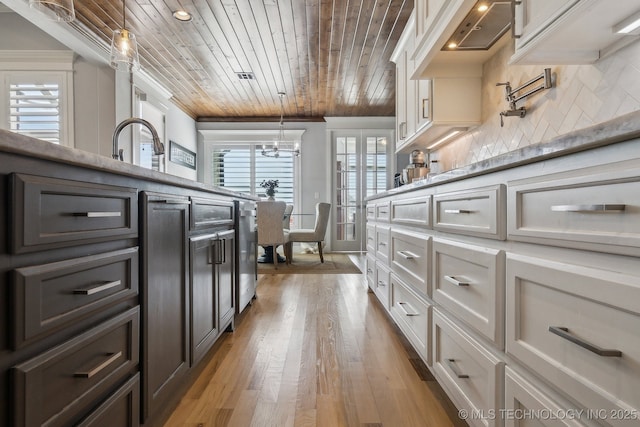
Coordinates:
[416,169]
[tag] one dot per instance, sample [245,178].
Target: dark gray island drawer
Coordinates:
[121,409]
[60,386]
[50,296]
[51,213]
[207,213]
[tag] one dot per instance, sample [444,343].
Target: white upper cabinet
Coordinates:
[569,31]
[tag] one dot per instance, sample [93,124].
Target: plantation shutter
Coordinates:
[34,110]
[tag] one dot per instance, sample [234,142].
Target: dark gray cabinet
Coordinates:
[212,285]
[165,298]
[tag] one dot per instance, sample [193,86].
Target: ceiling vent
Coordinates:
[246,75]
[482,27]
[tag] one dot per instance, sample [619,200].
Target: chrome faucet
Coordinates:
[158,146]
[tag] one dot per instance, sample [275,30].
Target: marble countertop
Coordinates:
[617,130]
[18,144]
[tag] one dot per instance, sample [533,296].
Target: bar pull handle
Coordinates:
[112,357]
[457,211]
[98,288]
[407,312]
[381,283]
[589,208]
[382,243]
[425,108]
[408,255]
[455,281]
[171,201]
[98,214]
[564,333]
[452,365]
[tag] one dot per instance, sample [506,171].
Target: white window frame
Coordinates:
[52,65]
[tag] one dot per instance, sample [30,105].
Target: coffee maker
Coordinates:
[416,169]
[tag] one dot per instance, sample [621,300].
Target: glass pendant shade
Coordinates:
[124,51]
[56,10]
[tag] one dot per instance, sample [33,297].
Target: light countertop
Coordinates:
[617,130]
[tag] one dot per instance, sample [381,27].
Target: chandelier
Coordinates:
[277,146]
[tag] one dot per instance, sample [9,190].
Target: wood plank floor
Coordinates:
[314,350]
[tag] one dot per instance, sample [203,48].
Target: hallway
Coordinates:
[314,350]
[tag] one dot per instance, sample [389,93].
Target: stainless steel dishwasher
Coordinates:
[246,247]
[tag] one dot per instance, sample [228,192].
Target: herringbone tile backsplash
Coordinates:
[582,95]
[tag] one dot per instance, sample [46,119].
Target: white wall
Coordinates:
[181,128]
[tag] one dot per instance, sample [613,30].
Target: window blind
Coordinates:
[243,168]
[34,110]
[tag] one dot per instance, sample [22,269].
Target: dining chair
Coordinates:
[270,226]
[315,234]
[286,220]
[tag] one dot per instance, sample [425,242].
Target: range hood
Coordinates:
[482,27]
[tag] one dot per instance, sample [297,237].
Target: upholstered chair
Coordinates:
[271,231]
[286,220]
[315,234]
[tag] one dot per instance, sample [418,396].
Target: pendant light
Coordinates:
[277,146]
[56,10]
[124,48]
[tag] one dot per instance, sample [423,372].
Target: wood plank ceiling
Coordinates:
[330,57]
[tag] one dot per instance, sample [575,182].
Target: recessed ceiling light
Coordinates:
[483,8]
[452,45]
[182,15]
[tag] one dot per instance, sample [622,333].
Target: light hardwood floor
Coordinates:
[314,350]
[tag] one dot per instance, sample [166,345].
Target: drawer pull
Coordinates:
[112,358]
[381,283]
[457,211]
[407,312]
[382,243]
[383,211]
[98,214]
[452,279]
[98,288]
[564,333]
[452,365]
[408,255]
[171,201]
[369,270]
[589,208]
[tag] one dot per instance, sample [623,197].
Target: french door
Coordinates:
[360,169]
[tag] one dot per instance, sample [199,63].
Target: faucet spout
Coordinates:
[158,146]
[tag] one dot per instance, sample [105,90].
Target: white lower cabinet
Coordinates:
[577,327]
[527,405]
[382,284]
[413,315]
[521,287]
[472,374]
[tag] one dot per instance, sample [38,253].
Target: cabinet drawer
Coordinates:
[382,243]
[383,211]
[371,211]
[410,256]
[413,316]
[599,211]
[471,374]
[121,409]
[50,213]
[562,319]
[526,404]
[371,238]
[414,212]
[382,285]
[469,282]
[207,213]
[50,296]
[371,271]
[479,212]
[59,386]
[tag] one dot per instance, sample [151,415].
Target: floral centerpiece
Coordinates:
[270,186]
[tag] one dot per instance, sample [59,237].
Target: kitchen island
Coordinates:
[517,279]
[115,283]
